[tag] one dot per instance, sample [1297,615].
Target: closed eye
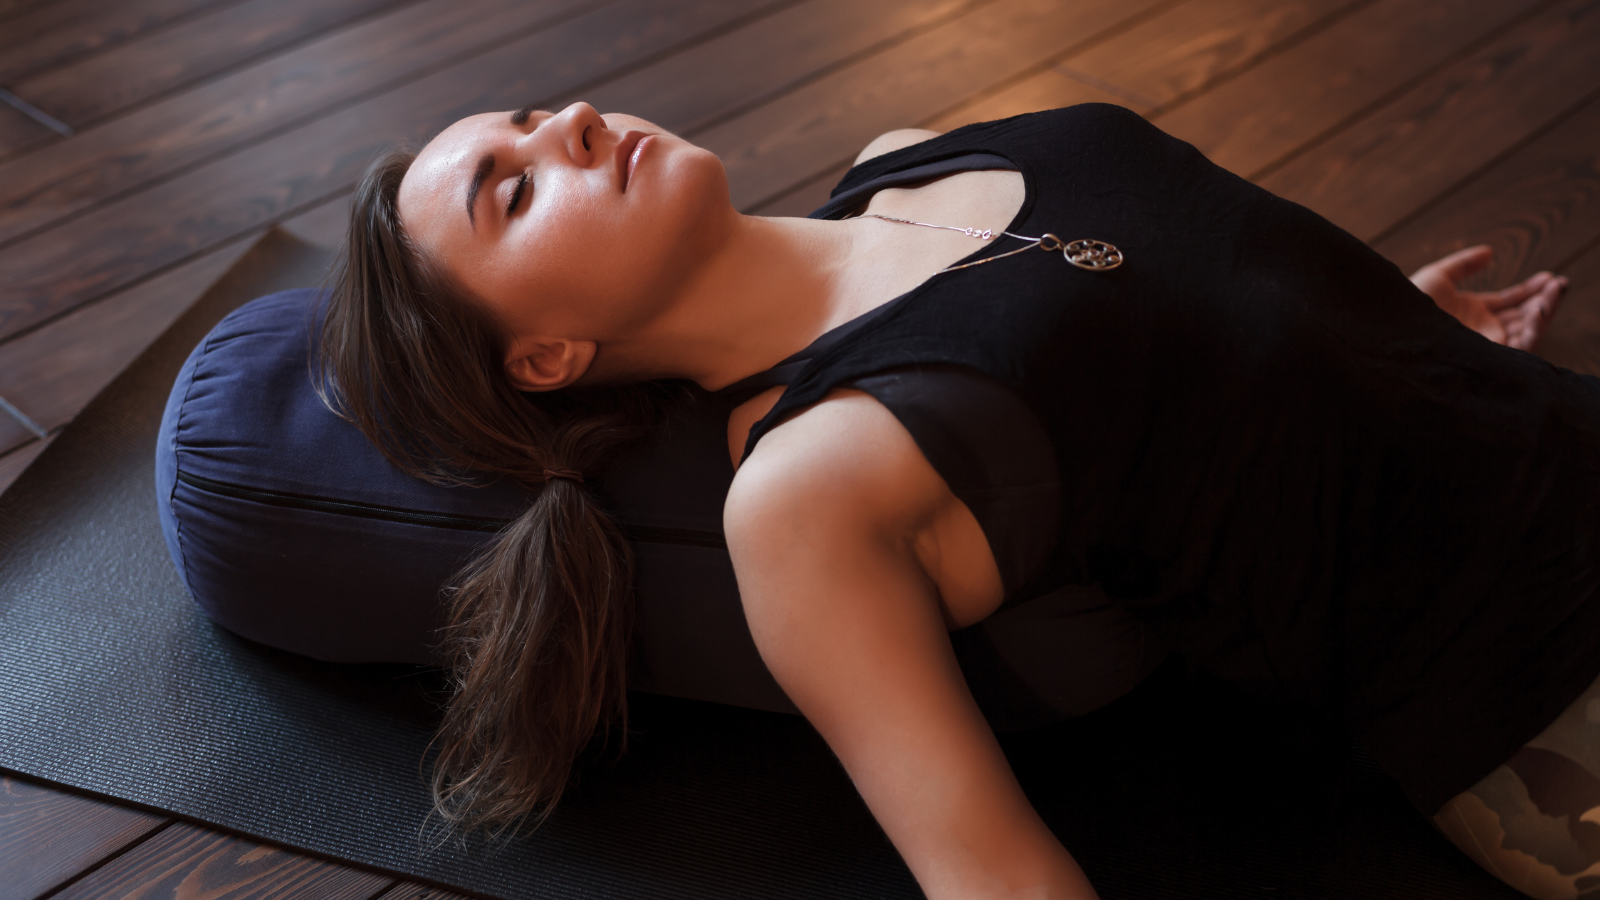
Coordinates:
[516,194]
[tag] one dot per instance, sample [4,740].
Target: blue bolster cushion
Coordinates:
[289,528]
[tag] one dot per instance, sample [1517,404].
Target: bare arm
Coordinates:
[827,524]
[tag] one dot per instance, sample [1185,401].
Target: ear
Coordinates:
[548,364]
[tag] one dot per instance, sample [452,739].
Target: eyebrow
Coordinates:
[479,175]
[520,117]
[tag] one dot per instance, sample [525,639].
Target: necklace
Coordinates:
[1096,256]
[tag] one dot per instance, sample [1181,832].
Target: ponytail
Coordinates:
[538,635]
[539,621]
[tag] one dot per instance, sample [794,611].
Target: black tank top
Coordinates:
[1258,436]
[982,440]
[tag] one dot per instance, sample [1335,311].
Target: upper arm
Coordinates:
[822,522]
[890,141]
[832,484]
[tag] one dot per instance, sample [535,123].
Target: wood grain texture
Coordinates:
[815,128]
[14,461]
[1383,168]
[52,373]
[170,135]
[803,198]
[1044,90]
[1573,337]
[1185,48]
[48,836]
[1256,119]
[185,861]
[54,272]
[56,33]
[18,131]
[224,38]
[690,90]
[1538,207]
[323,225]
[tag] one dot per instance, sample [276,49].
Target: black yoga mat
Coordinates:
[111,682]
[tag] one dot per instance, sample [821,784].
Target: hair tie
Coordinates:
[569,474]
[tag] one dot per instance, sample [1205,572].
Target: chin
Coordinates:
[698,206]
[696,174]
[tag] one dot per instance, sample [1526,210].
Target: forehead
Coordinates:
[448,160]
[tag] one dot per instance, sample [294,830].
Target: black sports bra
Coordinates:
[986,443]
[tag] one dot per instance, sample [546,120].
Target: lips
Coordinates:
[632,149]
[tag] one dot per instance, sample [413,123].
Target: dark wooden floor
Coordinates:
[146,144]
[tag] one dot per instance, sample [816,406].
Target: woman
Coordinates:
[1246,426]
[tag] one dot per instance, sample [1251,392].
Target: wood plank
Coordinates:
[412,891]
[679,93]
[1372,175]
[19,131]
[1285,102]
[52,373]
[14,461]
[1044,90]
[1573,338]
[171,135]
[55,371]
[52,273]
[689,91]
[1184,49]
[1049,89]
[10,9]
[222,38]
[13,433]
[322,226]
[1538,207]
[48,836]
[802,199]
[56,33]
[186,861]
[804,133]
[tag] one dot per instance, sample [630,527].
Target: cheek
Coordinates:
[586,255]
[612,266]
[572,266]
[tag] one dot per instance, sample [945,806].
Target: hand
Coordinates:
[1515,316]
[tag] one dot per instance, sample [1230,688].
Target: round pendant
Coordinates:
[1094,255]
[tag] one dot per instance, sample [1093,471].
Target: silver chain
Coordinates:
[1085,254]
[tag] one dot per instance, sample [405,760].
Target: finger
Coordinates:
[1555,291]
[1517,293]
[1542,305]
[1522,325]
[1526,324]
[1462,263]
[1522,330]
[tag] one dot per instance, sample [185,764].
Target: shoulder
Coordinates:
[891,141]
[841,467]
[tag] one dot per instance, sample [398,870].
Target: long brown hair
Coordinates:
[539,622]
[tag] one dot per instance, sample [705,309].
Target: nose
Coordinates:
[578,129]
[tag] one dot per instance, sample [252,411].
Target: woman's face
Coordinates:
[567,224]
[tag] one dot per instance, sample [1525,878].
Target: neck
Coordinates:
[767,289]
